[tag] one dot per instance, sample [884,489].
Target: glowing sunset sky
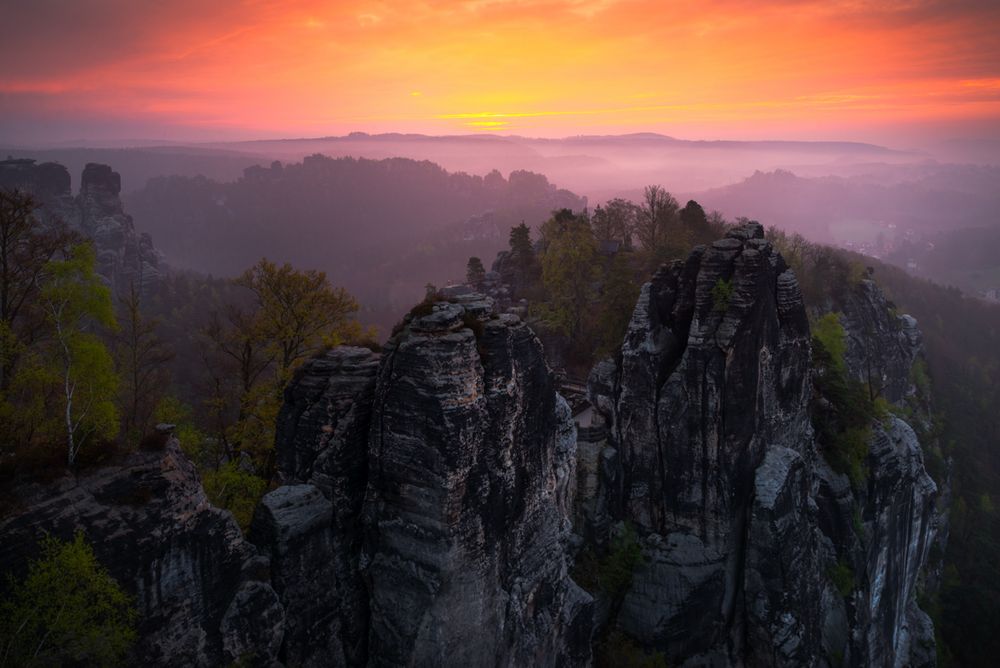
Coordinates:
[734,68]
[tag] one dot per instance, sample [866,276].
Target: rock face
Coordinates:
[427,503]
[124,256]
[717,469]
[469,495]
[201,590]
[881,345]
[311,527]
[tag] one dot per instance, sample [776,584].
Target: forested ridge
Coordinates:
[87,372]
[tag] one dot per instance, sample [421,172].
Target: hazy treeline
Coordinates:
[379,228]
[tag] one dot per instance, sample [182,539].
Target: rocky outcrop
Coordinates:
[124,256]
[311,528]
[882,345]
[470,491]
[755,552]
[426,511]
[202,591]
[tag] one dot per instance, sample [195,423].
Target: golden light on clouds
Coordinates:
[542,67]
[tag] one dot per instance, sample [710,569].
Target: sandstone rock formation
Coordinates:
[741,518]
[311,528]
[455,464]
[124,256]
[202,591]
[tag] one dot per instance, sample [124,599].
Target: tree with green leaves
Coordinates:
[658,228]
[475,272]
[76,302]
[569,271]
[287,316]
[67,611]
[297,311]
[520,241]
[619,292]
[141,359]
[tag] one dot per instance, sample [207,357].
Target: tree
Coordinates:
[75,301]
[657,221]
[141,358]
[569,271]
[619,292]
[67,611]
[288,315]
[475,273]
[26,248]
[297,311]
[615,221]
[520,241]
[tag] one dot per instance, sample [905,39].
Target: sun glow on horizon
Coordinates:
[542,67]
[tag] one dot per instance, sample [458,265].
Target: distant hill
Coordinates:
[598,166]
[380,228]
[916,201]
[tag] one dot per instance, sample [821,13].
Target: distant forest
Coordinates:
[380,228]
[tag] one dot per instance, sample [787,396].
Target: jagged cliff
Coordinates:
[427,511]
[202,591]
[124,256]
[742,521]
[427,494]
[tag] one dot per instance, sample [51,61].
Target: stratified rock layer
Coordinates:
[740,519]
[452,456]
[469,495]
[201,590]
[124,257]
[311,527]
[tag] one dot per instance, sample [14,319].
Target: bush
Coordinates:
[722,293]
[234,489]
[612,574]
[842,577]
[67,611]
[842,409]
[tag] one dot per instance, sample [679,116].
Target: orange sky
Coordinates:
[731,69]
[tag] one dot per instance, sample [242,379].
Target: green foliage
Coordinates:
[195,444]
[74,300]
[284,317]
[611,574]
[920,378]
[520,241]
[235,489]
[842,577]
[830,334]
[569,271]
[842,407]
[67,611]
[722,293]
[618,295]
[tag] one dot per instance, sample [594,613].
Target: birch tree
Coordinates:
[76,303]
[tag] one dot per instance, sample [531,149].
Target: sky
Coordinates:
[895,72]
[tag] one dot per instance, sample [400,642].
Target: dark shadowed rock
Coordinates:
[882,345]
[741,521]
[312,532]
[470,487]
[202,592]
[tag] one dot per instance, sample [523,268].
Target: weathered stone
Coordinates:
[741,520]
[124,257]
[201,590]
[469,496]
